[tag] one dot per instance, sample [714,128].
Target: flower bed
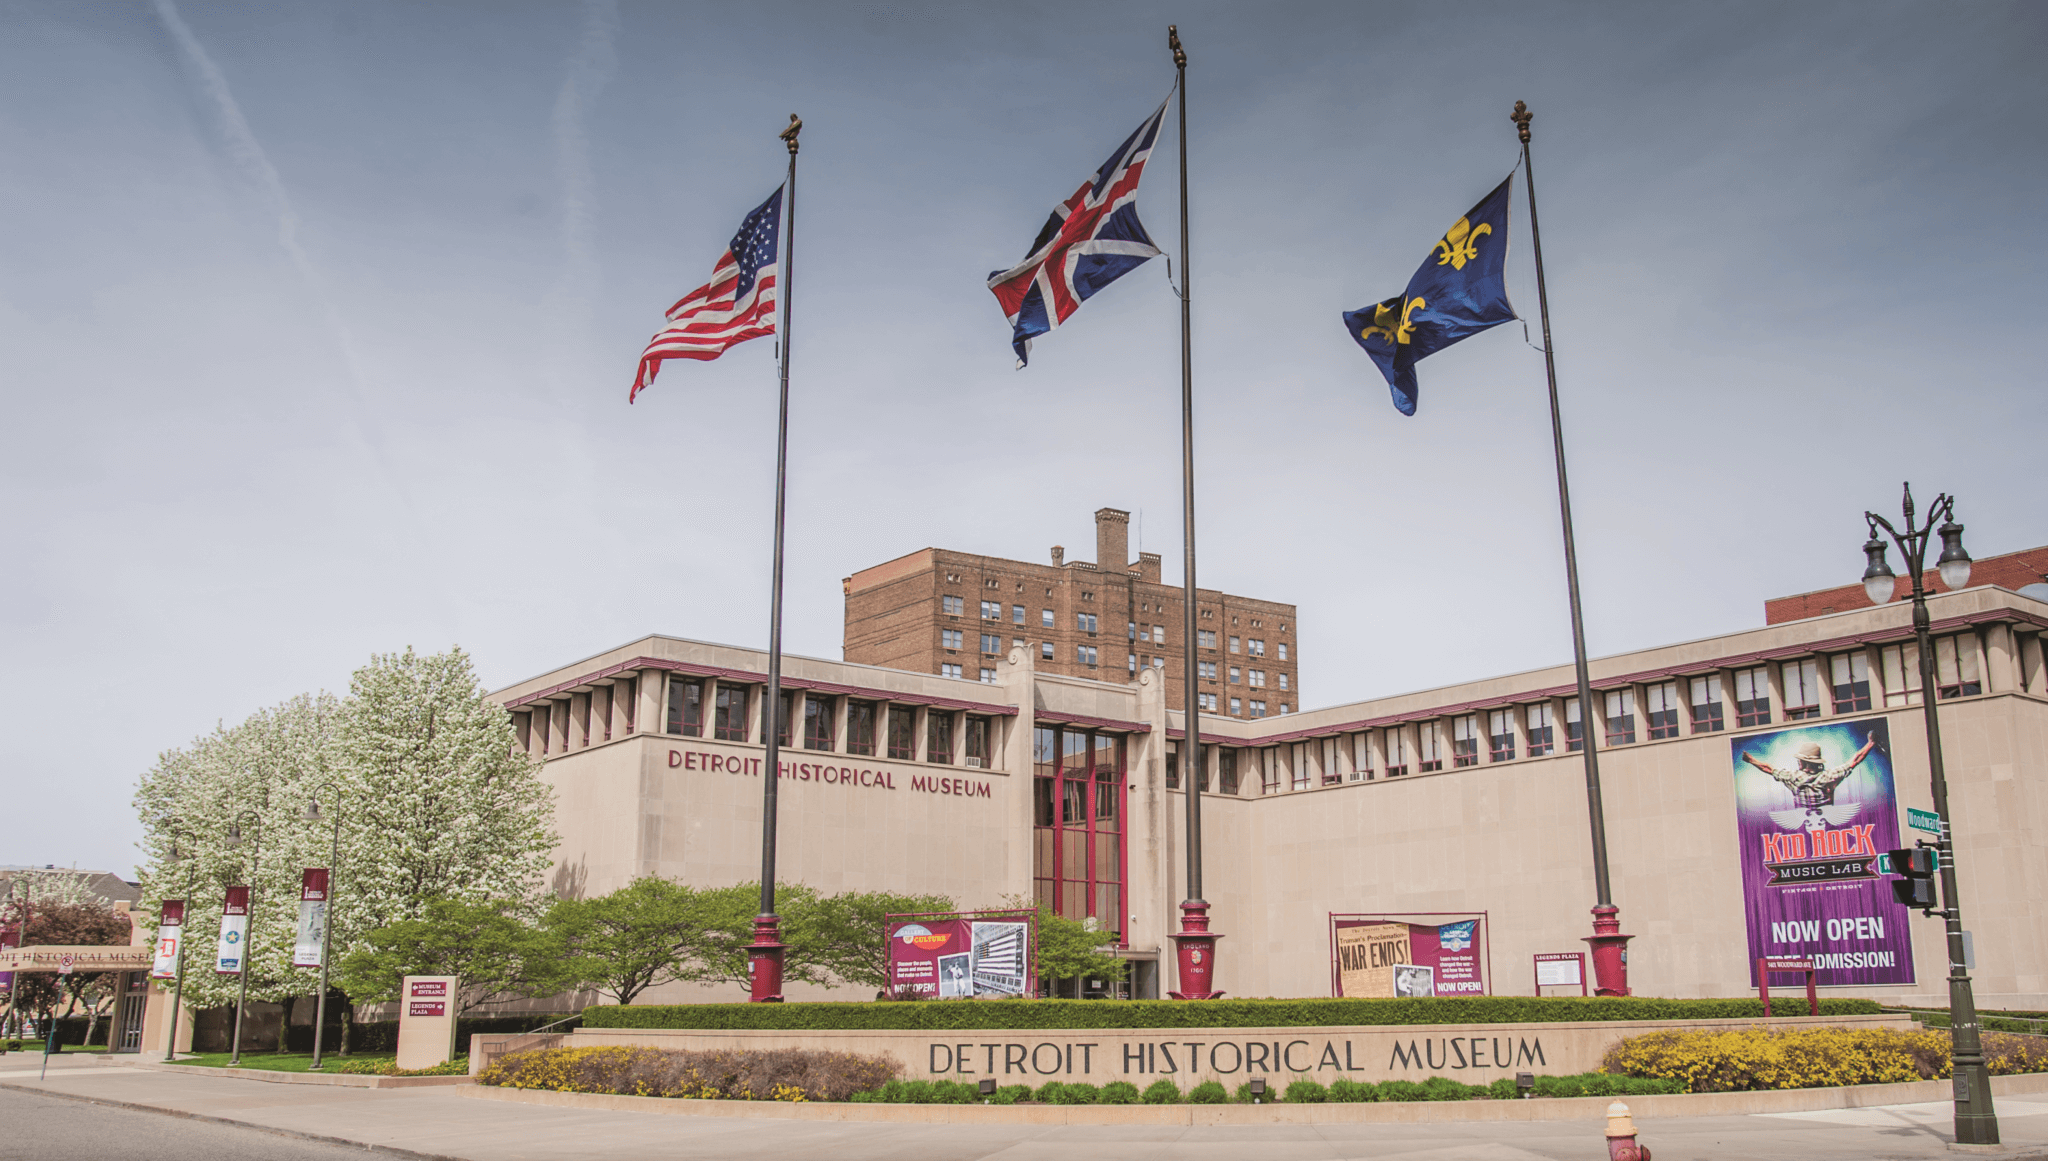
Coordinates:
[1758,1058]
[1165,1092]
[781,1074]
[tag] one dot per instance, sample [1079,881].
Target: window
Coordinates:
[1226,769]
[860,727]
[1283,680]
[1085,622]
[979,752]
[954,606]
[1298,773]
[1159,634]
[1706,704]
[787,717]
[1233,645]
[938,737]
[1084,654]
[988,675]
[817,722]
[1016,614]
[949,669]
[1429,746]
[1258,709]
[1258,679]
[1753,697]
[1045,650]
[1207,701]
[1131,629]
[1159,663]
[1500,735]
[1397,752]
[1078,853]
[1901,673]
[1018,643]
[1045,620]
[1621,716]
[1269,770]
[1465,740]
[991,643]
[1851,673]
[686,706]
[1256,648]
[1283,650]
[1206,638]
[1206,670]
[991,610]
[1283,707]
[729,713]
[1236,708]
[1134,663]
[1574,729]
[1539,722]
[1361,757]
[1802,689]
[1235,674]
[1662,705]
[952,638]
[1957,668]
[902,733]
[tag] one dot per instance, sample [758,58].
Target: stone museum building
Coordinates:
[959,615]
[1755,770]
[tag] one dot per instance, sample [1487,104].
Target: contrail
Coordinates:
[589,70]
[249,155]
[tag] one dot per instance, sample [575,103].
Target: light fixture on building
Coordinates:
[1258,1087]
[1954,564]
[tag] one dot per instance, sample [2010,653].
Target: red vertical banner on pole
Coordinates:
[234,933]
[308,947]
[170,934]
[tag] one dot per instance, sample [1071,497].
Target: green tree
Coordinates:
[1071,949]
[719,955]
[640,935]
[850,933]
[498,954]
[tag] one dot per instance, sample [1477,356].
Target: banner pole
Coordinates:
[765,953]
[1610,948]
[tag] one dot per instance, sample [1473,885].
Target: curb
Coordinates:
[294,1134]
[1392,1112]
[341,1079]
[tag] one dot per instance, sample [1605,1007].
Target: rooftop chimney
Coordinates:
[1112,539]
[1059,556]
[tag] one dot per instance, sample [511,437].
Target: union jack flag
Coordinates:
[736,305]
[1090,241]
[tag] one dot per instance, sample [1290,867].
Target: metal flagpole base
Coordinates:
[1194,947]
[1610,952]
[764,960]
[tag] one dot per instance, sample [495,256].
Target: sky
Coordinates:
[317,322]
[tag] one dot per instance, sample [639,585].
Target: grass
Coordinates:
[274,1061]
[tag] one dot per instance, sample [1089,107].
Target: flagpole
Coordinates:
[1195,944]
[764,955]
[1610,947]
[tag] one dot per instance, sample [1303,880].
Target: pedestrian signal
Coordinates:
[1916,887]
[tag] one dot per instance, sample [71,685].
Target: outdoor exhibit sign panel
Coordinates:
[960,957]
[1815,809]
[427,1008]
[170,935]
[10,938]
[234,933]
[308,948]
[1368,951]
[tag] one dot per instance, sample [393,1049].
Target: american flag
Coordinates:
[1090,241]
[736,305]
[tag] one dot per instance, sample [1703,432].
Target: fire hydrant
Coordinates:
[1621,1136]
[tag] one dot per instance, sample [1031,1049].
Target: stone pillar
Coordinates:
[2001,663]
[650,713]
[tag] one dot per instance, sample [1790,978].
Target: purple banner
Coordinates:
[1815,810]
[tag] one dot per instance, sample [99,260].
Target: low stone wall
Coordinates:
[1472,1053]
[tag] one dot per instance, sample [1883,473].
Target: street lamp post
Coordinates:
[1976,1122]
[178,987]
[312,814]
[249,937]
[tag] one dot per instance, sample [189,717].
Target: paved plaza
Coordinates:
[86,1110]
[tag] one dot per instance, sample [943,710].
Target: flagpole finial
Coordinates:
[1180,55]
[796,126]
[1521,117]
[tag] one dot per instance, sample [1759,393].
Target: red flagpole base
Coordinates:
[1194,947]
[1610,952]
[764,960]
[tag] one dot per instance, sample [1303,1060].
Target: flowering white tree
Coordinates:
[416,767]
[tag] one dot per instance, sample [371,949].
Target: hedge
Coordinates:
[962,1015]
[382,1035]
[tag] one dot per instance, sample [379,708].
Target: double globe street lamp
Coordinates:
[1976,1123]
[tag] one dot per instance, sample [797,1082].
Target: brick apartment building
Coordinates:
[957,614]
[2014,570]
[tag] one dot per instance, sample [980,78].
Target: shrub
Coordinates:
[1208,1093]
[772,1074]
[1049,1092]
[1076,1093]
[1010,1094]
[1749,1059]
[386,1066]
[1094,1014]
[1118,1092]
[1306,1092]
[1443,1088]
[1353,1092]
[1402,1090]
[1162,1092]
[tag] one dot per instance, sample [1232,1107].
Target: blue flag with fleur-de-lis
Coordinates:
[1458,292]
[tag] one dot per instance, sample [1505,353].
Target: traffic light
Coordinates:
[1916,888]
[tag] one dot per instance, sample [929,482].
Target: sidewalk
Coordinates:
[440,1123]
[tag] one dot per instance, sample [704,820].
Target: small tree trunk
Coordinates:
[348,1011]
[284,1024]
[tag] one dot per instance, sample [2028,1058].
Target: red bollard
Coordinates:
[1621,1136]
